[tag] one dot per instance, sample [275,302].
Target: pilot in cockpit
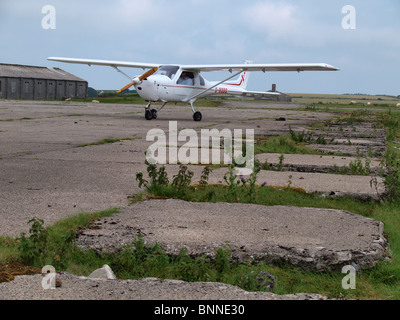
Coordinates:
[184,79]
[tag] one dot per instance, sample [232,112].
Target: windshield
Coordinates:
[169,71]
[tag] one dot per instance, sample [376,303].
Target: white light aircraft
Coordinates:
[184,83]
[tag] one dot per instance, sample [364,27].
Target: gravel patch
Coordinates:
[81,288]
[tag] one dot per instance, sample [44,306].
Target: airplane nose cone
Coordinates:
[136,80]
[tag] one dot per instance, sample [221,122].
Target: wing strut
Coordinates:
[215,85]
[120,71]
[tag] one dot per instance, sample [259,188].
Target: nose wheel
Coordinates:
[151,114]
[148,115]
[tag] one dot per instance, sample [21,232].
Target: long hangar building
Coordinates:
[39,83]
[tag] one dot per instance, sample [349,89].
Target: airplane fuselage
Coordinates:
[169,85]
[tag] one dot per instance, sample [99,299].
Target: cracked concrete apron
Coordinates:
[305,237]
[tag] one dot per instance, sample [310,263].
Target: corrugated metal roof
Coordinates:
[33,72]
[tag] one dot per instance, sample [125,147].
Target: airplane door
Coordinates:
[185,84]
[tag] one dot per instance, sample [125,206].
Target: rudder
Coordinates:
[243,78]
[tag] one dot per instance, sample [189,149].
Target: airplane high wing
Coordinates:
[93,62]
[184,83]
[201,67]
[264,67]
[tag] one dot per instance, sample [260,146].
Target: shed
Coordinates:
[39,83]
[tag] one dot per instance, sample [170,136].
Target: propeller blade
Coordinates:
[139,79]
[147,74]
[126,87]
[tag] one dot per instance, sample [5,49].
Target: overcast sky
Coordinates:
[214,31]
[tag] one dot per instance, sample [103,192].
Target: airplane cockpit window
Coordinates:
[186,78]
[202,82]
[169,71]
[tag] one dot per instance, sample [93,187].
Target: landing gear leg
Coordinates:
[148,114]
[196,114]
[155,112]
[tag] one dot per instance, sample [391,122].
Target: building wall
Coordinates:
[70,89]
[51,89]
[26,89]
[13,88]
[2,87]
[37,89]
[60,90]
[82,89]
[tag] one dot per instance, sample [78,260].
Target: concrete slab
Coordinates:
[305,237]
[350,150]
[322,183]
[55,189]
[361,138]
[315,163]
[325,183]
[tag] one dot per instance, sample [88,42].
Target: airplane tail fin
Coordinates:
[243,78]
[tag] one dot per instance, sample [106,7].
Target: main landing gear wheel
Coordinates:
[148,115]
[197,116]
[154,113]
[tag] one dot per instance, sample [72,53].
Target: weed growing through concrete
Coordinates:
[390,164]
[233,184]
[392,177]
[280,164]
[205,175]
[240,186]
[301,136]
[321,139]
[32,249]
[355,168]
[160,184]
[158,177]
[183,179]
[249,185]
[140,259]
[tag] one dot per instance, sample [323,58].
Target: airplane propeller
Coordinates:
[138,80]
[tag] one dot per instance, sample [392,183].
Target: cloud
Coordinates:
[136,13]
[272,20]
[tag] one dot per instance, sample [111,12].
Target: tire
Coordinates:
[197,116]
[148,115]
[154,113]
